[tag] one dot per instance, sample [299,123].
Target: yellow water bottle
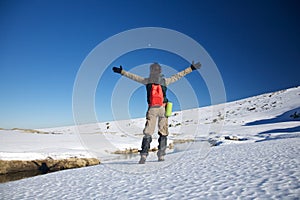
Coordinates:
[169,109]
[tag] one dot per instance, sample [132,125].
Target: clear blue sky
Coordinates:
[255,45]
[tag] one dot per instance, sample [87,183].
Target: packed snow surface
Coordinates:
[246,149]
[266,170]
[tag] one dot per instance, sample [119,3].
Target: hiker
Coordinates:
[156,86]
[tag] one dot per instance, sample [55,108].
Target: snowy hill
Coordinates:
[244,149]
[254,115]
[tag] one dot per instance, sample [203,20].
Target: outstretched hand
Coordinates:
[195,66]
[117,69]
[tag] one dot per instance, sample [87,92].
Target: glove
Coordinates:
[195,66]
[117,70]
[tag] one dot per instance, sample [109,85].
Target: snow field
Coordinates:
[263,170]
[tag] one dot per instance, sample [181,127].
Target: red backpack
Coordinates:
[156,95]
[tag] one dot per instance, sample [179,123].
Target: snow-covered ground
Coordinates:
[266,170]
[256,155]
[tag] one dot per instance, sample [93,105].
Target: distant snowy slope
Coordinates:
[279,104]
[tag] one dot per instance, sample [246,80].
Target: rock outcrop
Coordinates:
[45,165]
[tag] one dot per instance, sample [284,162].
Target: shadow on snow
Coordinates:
[283,130]
[271,134]
[291,115]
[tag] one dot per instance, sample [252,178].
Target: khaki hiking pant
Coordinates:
[152,115]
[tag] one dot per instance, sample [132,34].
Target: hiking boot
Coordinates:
[143,159]
[161,158]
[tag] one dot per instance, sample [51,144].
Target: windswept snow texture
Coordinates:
[268,170]
[256,156]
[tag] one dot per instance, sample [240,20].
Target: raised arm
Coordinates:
[132,76]
[179,75]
